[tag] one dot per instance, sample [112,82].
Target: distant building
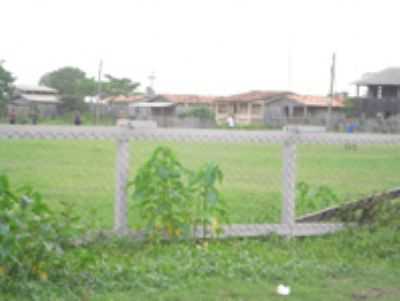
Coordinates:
[245,108]
[382,95]
[277,108]
[303,109]
[164,107]
[39,99]
[273,108]
[157,106]
[184,102]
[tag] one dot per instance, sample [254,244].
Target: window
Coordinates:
[222,108]
[256,108]
[243,108]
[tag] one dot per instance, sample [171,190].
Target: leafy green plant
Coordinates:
[161,195]
[210,208]
[199,112]
[33,238]
[311,199]
[173,200]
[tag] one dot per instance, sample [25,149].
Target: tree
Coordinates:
[73,84]
[70,81]
[6,80]
[118,86]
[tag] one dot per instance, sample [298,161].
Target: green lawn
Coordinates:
[83,172]
[345,266]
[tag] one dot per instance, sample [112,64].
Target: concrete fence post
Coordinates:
[122,174]
[288,217]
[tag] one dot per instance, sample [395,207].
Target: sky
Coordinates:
[213,47]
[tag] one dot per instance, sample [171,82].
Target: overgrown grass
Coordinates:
[346,266]
[337,267]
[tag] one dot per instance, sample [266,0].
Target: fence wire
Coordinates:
[75,172]
[252,173]
[89,167]
[330,175]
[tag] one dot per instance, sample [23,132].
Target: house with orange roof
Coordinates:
[156,106]
[303,109]
[276,108]
[245,108]
[165,107]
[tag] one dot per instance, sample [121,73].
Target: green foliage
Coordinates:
[210,209]
[162,196]
[376,215]
[349,106]
[70,103]
[118,86]
[70,81]
[173,200]
[6,79]
[199,112]
[73,84]
[33,238]
[311,199]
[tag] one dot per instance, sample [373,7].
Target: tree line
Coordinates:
[73,84]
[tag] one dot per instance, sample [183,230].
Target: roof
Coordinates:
[173,98]
[38,98]
[124,99]
[388,76]
[316,101]
[252,96]
[151,105]
[33,88]
[186,98]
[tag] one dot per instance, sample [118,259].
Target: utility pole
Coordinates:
[98,91]
[152,78]
[289,65]
[331,93]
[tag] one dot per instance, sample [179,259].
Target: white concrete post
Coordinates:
[288,217]
[122,174]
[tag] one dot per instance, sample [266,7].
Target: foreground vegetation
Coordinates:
[356,264]
[339,267]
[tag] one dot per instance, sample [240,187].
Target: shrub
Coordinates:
[311,199]
[162,195]
[210,209]
[199,112]
[173,200]
[32,237]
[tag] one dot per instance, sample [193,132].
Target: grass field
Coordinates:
[83,172]
[345,266]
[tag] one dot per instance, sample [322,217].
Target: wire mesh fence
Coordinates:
[270,178]
[251,173]
[330,175]
[75,172]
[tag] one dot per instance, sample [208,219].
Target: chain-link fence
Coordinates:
[270,178]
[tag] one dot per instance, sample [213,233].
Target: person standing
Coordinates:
[12,117]
[231,121]
[34,115]
[77,119]
[350,128]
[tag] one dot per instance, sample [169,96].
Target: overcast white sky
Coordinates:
[204,46]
